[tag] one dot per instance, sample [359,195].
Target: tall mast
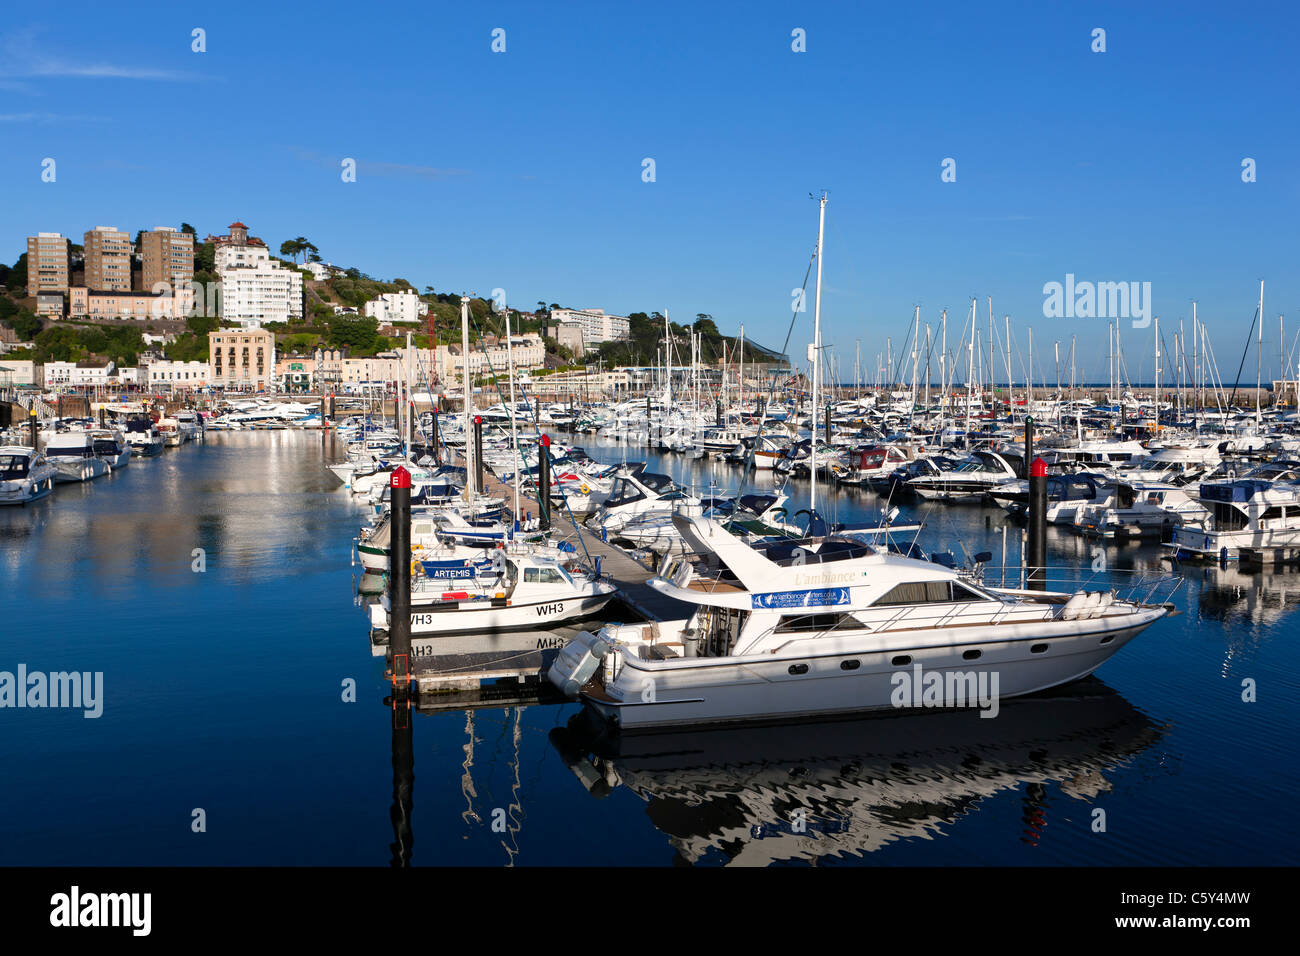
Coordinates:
[814,353]
[970,367]
[468,391]
[1157,321]
[1259,350]
[514,434]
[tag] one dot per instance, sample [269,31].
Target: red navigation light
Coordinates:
[401,478]
[1038,469]
[546,441]
[478,419]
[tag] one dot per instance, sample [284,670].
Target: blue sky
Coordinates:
[522,170]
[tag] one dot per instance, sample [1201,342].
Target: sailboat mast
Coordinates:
[468,391]
[514,433]
[1259,351]
[815,352]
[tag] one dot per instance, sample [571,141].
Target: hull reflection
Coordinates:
[802,792]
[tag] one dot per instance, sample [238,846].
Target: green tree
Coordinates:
[25,324]
[357,332]
[17,278]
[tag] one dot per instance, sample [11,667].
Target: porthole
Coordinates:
[850,665]
[971,655]
[1108,638]
[798,668]
[902,660]
[1038,649]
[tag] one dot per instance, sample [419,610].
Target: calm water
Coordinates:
[223,691]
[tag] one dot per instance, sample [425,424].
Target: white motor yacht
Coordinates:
[73,454]
[834,625]
[25,475]
[111,447]
[520,587]
[143,437]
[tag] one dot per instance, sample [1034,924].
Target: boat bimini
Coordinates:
[833,625]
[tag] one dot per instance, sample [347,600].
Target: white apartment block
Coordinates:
[182,374]
[254,289]
[597,326]
[77,373]
[264,292]
[390,307]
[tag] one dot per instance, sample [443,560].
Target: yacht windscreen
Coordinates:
[13,466]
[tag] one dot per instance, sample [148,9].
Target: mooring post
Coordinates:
[828,424]
[31,419]
[60,401]
[403,779]
[544,481]
[478,454]
[1037,562]
[399,578]
[718,405]
[1029,442]
[331,406]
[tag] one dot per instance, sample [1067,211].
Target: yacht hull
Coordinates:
[724,690]
[481,617]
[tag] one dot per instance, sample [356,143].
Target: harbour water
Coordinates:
[213,588]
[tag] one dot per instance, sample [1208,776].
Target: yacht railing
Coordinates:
[1135,586]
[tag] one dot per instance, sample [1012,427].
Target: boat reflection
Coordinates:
[756,796]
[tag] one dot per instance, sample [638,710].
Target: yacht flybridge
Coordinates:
[831,625]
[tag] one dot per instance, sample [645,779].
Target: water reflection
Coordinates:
[756,796]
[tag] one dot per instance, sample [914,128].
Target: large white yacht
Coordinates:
[828,625]
[1249,513]
[972,479]
[25,475]
[73,454]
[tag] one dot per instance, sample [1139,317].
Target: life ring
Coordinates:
[585,490]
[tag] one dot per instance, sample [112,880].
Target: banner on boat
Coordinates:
[820,597]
